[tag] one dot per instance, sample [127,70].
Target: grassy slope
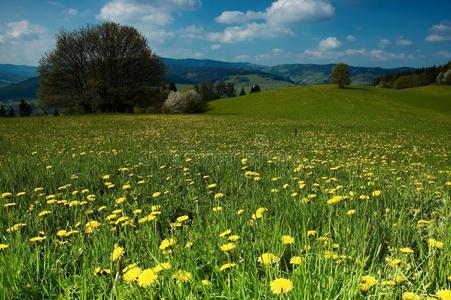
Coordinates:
[361,106]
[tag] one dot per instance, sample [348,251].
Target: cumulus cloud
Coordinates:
[22,30]
[440,32]
[234,34]
[325,48]
[401,41]
[351,38]
[157,12]
[384,43]
[329,43]
[271,22]
[215,47]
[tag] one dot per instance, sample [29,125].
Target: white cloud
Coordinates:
[401,41]
[351,38]
[440,32]
[23,30]
[215,47]
[71,11]
[277,51]
[273,21]
[156,12]
[325,48]
[373,54]
[384,43]
[247,32]
[329,43]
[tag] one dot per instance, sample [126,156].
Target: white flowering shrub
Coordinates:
[182,103]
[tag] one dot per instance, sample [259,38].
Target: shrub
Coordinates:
[340,75]
[413,80]
[180,103]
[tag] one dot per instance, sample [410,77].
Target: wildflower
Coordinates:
[121,200]
[368,281]
[126,187]
[219,195]
[388,283]
[228,247]
[91,226]
[15,227]
[444,294]
[118,252]
[240,212]
[182,276]
[268,259]
[3,246]
[335,199]
[350,212]
[227,266]
[44,213]
[364,197]
[146,278]
[188,245]
[287,240]
[7,195]
[100,271]
[435,244]
[182,218]
[376,193]
[212,186]
[225,233]
[161,267]
[281,286]
[38,239]
[165,244]
[132,273]
[296,260]
[233,238]
[410,296]
[217,208]
[156,195]
[311,232]
[406,250]
[205,282]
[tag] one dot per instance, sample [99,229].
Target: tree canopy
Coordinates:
[340,75]
[103,68]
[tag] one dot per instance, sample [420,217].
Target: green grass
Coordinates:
[247,81]
[272,150]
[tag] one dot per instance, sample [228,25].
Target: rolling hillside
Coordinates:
[326,104]
[194,71]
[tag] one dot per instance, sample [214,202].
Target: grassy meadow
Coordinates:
[296,193]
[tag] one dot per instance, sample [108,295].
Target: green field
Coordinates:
[344,193]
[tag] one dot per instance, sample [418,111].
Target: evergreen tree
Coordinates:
[56,113]
[24,109]
[2,111]
[11,113]
[242,92]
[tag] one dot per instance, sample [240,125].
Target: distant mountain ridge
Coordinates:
[17,81]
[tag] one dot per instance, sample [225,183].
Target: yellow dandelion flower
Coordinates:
[156,194]
[217,209]
[350,212]
[281,286]
[182,276]
[444,294]
[268,258]
[311,232]
[233,238]
[120,200]
[3,246]
[7,195]
[38,239]
[183,218]
[406,250]
[219,195]
[296,260]
[225,233]
[205,282]
[228,247]
[376,193]
[132,274]
[287,240]
[147,278]
[435,244]
[410,296]
[212,186]
[118,252]
[227,266]
[166,243]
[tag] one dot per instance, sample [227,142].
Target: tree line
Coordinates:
[419,77]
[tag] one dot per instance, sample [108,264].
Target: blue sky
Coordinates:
[387,33]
